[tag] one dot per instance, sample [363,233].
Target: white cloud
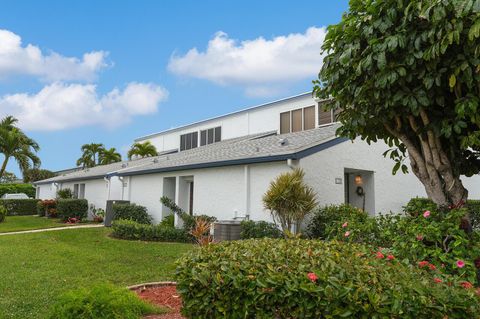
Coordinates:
[16,59]
[63,106]
[260,66]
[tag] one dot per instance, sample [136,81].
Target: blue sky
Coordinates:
[76,72]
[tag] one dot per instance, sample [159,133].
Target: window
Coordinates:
[309,118]
[81,193]
[75,191]
[327,117]
[211,135]
[297,120]
[188,141]
[284,122]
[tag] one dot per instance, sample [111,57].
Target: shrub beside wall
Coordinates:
[128,229]
[251,229]
[20,206]
[132,212]
[277,278]
[69,208]
[17,188]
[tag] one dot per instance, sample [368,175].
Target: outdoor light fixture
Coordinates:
[358,180]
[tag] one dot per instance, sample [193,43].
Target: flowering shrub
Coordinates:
[424,236]
[47,207]
[295,278]
[67,208]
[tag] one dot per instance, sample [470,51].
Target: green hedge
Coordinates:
[68,208]
[278,278]
[251,229]
[128,229]
[20,206]
[131,212]
[17,188]
[102,301]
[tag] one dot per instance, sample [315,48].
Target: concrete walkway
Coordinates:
[51,229]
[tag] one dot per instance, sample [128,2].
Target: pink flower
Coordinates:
[312,276]
[379,255]
[419,237]
[390,257]
[460,263]
[345,224]
[423,264]
[347,233]
[426,214]
[432,267]
[437,280]
[466,285]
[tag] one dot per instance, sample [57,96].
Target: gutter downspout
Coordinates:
[290,164]
[121,179]
[107,180]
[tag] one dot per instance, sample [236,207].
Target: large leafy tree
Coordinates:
[36,174]
[15,144]
[145,149]
[90,155]
[408,73]
[109,156]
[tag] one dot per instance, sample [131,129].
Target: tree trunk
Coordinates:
[4,166]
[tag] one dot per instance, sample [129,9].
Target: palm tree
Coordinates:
[109,156]
[142,150]
[91,155]
[14,143]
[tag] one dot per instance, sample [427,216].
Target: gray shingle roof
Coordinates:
[249,149]
[264,147]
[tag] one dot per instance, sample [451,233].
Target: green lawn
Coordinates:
[18,223]
[37,267]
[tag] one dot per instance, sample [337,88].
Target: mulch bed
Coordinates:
[164,296]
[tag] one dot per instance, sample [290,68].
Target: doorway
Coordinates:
[359,189]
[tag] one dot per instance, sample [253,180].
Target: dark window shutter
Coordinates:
[309,118]
[297,120]
[218,134]
[203,137]
[284,122]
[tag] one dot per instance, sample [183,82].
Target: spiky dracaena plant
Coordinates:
[289,200]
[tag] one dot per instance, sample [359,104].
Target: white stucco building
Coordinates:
[223,166]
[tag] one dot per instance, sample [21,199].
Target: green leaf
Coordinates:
[452,81]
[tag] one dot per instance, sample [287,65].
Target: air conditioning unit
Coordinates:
[226,230]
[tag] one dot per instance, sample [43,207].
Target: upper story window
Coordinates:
[297,120]
[188,141]
[327,117]
[211,135]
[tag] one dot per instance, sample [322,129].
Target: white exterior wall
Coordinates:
[96,191]
[46,191]
[256,120]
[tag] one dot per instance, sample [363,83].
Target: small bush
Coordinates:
[326,220]
[65,193]
[132,212]
[278,278]
[3,213]
[250,229]
[101,302]
[128,229]
[189,221]
[72,208]
[17,188]
[20,206]
[168,221]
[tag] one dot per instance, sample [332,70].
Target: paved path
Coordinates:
[51,229]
